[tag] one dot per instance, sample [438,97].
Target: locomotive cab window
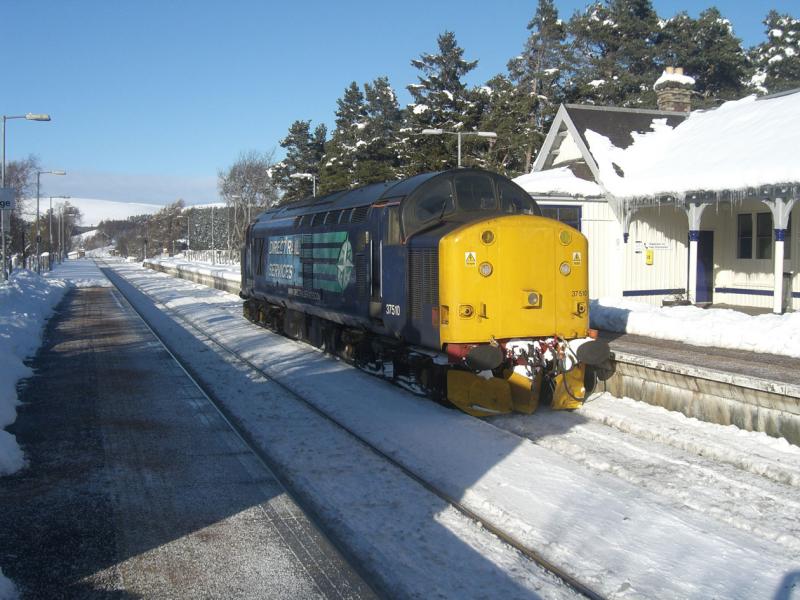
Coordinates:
[427,206]
[475,192]
[513,199]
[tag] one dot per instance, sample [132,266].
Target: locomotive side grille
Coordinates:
[423,279]
[317,219]
[332,216]
[359,214]
[298,220]
[362,281]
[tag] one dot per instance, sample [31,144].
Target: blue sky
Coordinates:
[150,99]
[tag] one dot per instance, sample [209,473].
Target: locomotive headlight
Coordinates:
[565,269]
[485,269]
[487,237]
[565,237]
[534,299]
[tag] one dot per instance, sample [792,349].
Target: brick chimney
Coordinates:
[674,90]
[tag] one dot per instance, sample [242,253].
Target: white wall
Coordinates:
[665,230]
[753,273]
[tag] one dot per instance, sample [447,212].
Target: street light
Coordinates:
[50,229]
[310,176]
[28,117]
[38,234]
[484,134]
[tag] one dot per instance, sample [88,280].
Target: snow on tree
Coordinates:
[615,44]
[343,150]
[441,100]
[708,50]
[248,187]
[540,74]
[777,61]
[304,151]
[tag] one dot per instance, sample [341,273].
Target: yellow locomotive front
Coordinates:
[513,293]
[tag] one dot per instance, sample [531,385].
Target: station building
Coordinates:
[679,205]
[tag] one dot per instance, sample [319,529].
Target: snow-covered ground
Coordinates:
[723,328]
[632,499]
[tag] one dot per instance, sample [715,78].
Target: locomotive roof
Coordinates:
[361,196]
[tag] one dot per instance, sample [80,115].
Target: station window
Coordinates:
[569,215]
[744,236]
[764,235]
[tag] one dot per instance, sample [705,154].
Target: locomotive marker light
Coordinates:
[27,117]
[485,134]
[485,269]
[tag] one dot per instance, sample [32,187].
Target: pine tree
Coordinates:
[708,50]
[381,133]
[508,112]
[616,43]
[304,151]
[440,101]
[777,61]
[542,73]
[340,162]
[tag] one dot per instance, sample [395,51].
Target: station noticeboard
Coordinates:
[7,198]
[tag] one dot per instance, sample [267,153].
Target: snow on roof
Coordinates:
[743,143]
[557,181]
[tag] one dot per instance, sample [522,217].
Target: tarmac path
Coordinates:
[137,487]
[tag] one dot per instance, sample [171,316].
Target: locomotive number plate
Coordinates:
[393,310]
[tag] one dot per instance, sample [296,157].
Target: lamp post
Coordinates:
[28,117]
[50,229]
[38,233]
[310,176]
[484,134]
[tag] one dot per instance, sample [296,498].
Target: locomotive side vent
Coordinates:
[331,217]
[317,219]
[423,279]
[298,220]
[362,280]
[359,214]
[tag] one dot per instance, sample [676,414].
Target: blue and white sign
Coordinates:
[7,198]
[283,260]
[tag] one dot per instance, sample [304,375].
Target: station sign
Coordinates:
[8,199]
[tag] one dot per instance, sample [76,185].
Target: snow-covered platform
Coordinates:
[752,390]
[135,485]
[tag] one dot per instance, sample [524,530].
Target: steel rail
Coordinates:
[241,434]
[525,550]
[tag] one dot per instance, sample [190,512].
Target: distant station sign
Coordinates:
[7,198]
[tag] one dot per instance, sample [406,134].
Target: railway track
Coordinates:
[530,553]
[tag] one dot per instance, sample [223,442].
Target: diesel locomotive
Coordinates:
[451,284]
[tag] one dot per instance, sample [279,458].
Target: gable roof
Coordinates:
[642,156]
[618,124]
[742,144]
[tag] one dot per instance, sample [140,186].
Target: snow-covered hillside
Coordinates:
[94,210]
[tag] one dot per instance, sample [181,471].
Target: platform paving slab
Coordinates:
[136,487]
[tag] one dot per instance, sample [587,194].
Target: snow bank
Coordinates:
[26,301]
[717,327]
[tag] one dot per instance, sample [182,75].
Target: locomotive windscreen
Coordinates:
[463,196]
